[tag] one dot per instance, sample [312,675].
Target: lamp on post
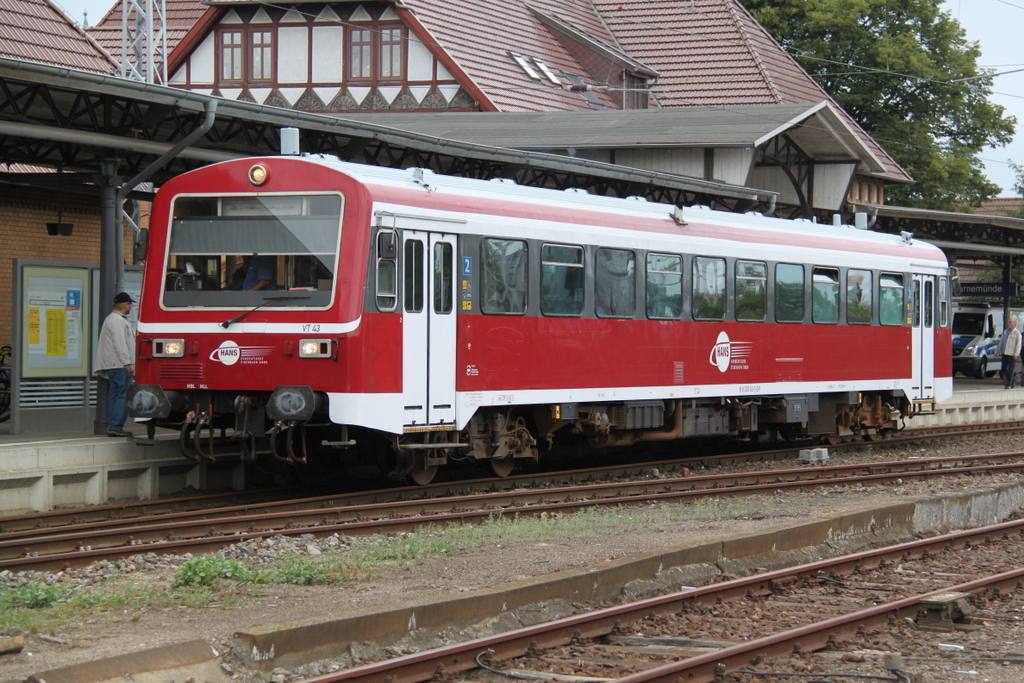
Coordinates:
[60,227]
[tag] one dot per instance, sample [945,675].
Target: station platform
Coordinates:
[71,469]
[67,469]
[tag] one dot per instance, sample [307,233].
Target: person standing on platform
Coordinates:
[1011,352]
[115,360]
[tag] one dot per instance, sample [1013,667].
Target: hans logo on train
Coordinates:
[727,354]
[721,353]
[227,353]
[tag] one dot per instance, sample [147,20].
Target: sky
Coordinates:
[997,25]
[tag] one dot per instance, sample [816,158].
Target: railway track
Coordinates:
[254,501]
[54,548]
[889,613]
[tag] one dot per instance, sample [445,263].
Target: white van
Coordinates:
[976,332]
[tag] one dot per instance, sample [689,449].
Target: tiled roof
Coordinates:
[480,34]
[714,53]
[707,52]
[180,15]
[1001,206]
[39,31]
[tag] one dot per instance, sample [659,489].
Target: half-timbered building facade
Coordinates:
[413,57]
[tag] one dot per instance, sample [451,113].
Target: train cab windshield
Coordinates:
[236,251]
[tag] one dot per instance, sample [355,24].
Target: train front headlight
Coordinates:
[315,348]
[168,348]
[258,174]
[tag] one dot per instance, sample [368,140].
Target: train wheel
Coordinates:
[421,474]
[502,467]
[829,439]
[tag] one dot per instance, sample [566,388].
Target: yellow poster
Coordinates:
[33,325]
[56,332]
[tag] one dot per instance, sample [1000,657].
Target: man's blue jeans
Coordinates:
[117,393]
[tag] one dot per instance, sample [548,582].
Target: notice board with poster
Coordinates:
[54,314]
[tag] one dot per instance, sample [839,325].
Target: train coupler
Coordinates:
[190,437]
[286,430]
[185,437]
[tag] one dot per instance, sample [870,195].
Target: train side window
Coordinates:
[914,303]
[943,302]
[751,291]
[664,286]
[859,286]
[615,283]
[789,293]
[504,276]
[929,303]
[443,292]
[413,276]
[825,295]
[561,280]
[890,299]
[708,288]
[387,271]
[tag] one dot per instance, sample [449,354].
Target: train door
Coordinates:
[428,327]
[921,300]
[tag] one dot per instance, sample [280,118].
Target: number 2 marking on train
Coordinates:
[308,327]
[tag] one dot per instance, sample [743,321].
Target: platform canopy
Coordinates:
[965,237]
[816,127]
[52,117]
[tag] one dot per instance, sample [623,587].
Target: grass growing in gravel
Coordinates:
[38,608]
[214,581]
[368,554]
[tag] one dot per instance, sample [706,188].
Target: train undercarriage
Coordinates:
[289,428]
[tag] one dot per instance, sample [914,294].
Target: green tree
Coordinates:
[1018,187]
[905,71]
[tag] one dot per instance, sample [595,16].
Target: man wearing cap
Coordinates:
[115,360]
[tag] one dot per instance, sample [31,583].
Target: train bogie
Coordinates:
[302,308]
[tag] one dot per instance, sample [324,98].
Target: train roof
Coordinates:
[502,189]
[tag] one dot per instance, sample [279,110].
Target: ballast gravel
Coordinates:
[110,632]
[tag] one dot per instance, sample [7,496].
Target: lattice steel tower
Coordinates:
[144,41]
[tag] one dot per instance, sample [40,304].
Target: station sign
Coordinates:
[988,289]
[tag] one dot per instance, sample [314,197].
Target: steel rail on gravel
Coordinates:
[438,663]
[345,508]
[265,499]
[78,548]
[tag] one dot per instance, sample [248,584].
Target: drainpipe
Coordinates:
[144,174]
[108,181]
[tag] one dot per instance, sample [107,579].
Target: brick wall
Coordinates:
[24,213]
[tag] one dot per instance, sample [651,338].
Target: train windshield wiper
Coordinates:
[256,308]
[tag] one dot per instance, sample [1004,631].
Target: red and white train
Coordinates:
[310,308]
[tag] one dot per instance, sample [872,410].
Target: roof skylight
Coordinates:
[525,66]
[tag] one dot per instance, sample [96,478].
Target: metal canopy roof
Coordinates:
[61,118]
[816,127]
[967,236]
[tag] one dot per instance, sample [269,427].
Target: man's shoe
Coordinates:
[119,432]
